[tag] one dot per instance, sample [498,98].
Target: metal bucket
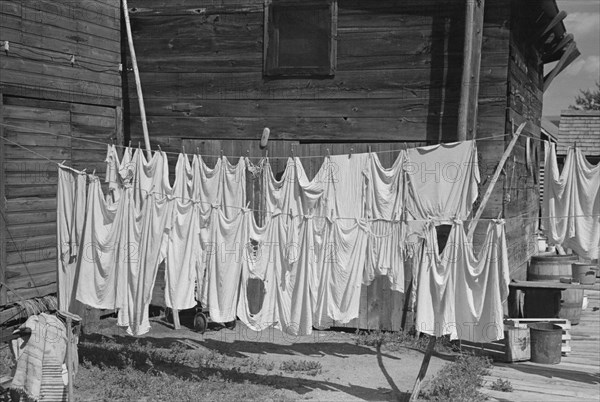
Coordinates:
[546,342]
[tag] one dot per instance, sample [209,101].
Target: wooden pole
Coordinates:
[469,94]
[3,228]
[424,366]
[138,84]
[490,188]
[70,358]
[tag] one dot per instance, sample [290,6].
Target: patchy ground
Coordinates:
[224,364]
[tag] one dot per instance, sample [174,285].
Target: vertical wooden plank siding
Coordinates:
[3,289]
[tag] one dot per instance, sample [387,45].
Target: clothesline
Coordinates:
[93,176]
[252,157]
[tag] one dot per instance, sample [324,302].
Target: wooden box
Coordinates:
[561,322]
[515,347]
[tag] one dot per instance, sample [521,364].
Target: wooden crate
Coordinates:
[515,346]
[561,322]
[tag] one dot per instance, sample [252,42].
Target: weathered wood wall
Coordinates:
[44,94]
[399,66]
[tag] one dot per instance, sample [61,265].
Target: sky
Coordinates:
[583,21]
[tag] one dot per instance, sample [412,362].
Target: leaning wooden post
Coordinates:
[424,366]
[138,84]
[469,93]
[490,188]
[69,358]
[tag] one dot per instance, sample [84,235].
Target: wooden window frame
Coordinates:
[270,58]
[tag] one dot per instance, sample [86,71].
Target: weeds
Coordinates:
[6,361]
[309,367]
[459,380]
[502,385]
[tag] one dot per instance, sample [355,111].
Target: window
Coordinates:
[300,38]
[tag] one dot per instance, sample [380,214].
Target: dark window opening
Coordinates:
[300,38]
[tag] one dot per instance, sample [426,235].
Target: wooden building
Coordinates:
[349,74]
[323,75]
[59,86]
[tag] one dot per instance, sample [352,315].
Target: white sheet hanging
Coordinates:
[157,217]
[571,203]
[459,294]
[110,246]
[183,187]
[442,183]
[183,256]
[149,176]
[70,216]
[384,204]
[340,271]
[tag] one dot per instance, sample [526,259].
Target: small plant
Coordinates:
[309,367]
[459,380]
[502,385]
[390,340]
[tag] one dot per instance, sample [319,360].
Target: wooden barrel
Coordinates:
[570,305]
[550,267]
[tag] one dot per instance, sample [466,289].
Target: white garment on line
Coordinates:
[149,176]
[70,217]
[571,202]
[109,253]
[183,256]
[222,264]
[460,294]
[156,223]
[442,183]
[343,178]
[340,271]
[385,204]
[183,187]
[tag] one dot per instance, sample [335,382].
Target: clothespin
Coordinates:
[405,146]
[198,150]
[6,46]
[247,153]
[139,145]
[94,172]
[350,154]
[328,153]
[159,148]
[292,151]
[63,162]
[183,149]
[221,154]
[267,153]
[129,144]
[369,149]
[575,146]
[72,60]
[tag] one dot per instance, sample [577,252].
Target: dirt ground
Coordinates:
[349,371]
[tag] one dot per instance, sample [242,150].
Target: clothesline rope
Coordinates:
[252,157]
[95,177]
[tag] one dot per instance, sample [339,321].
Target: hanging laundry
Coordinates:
[343,177]
[340,267]
[109,252]
[384,204]
[460,294]
[265,260]
[571,202]
[155,227]
[149,176]
[70,217]
[223,257]
[183,256]
[442,183]
[183,187]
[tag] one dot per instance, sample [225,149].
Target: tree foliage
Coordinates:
[589,99]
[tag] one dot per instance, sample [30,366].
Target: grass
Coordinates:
[394,341]
[502,385]
[459,380]
[142,371]
[309,367]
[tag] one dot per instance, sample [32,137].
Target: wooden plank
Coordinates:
[23,34]
[29,204]
[391,107]
[3,208]
[15,260]
[570,54]
[306,129]
[423,370]
[29,293]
